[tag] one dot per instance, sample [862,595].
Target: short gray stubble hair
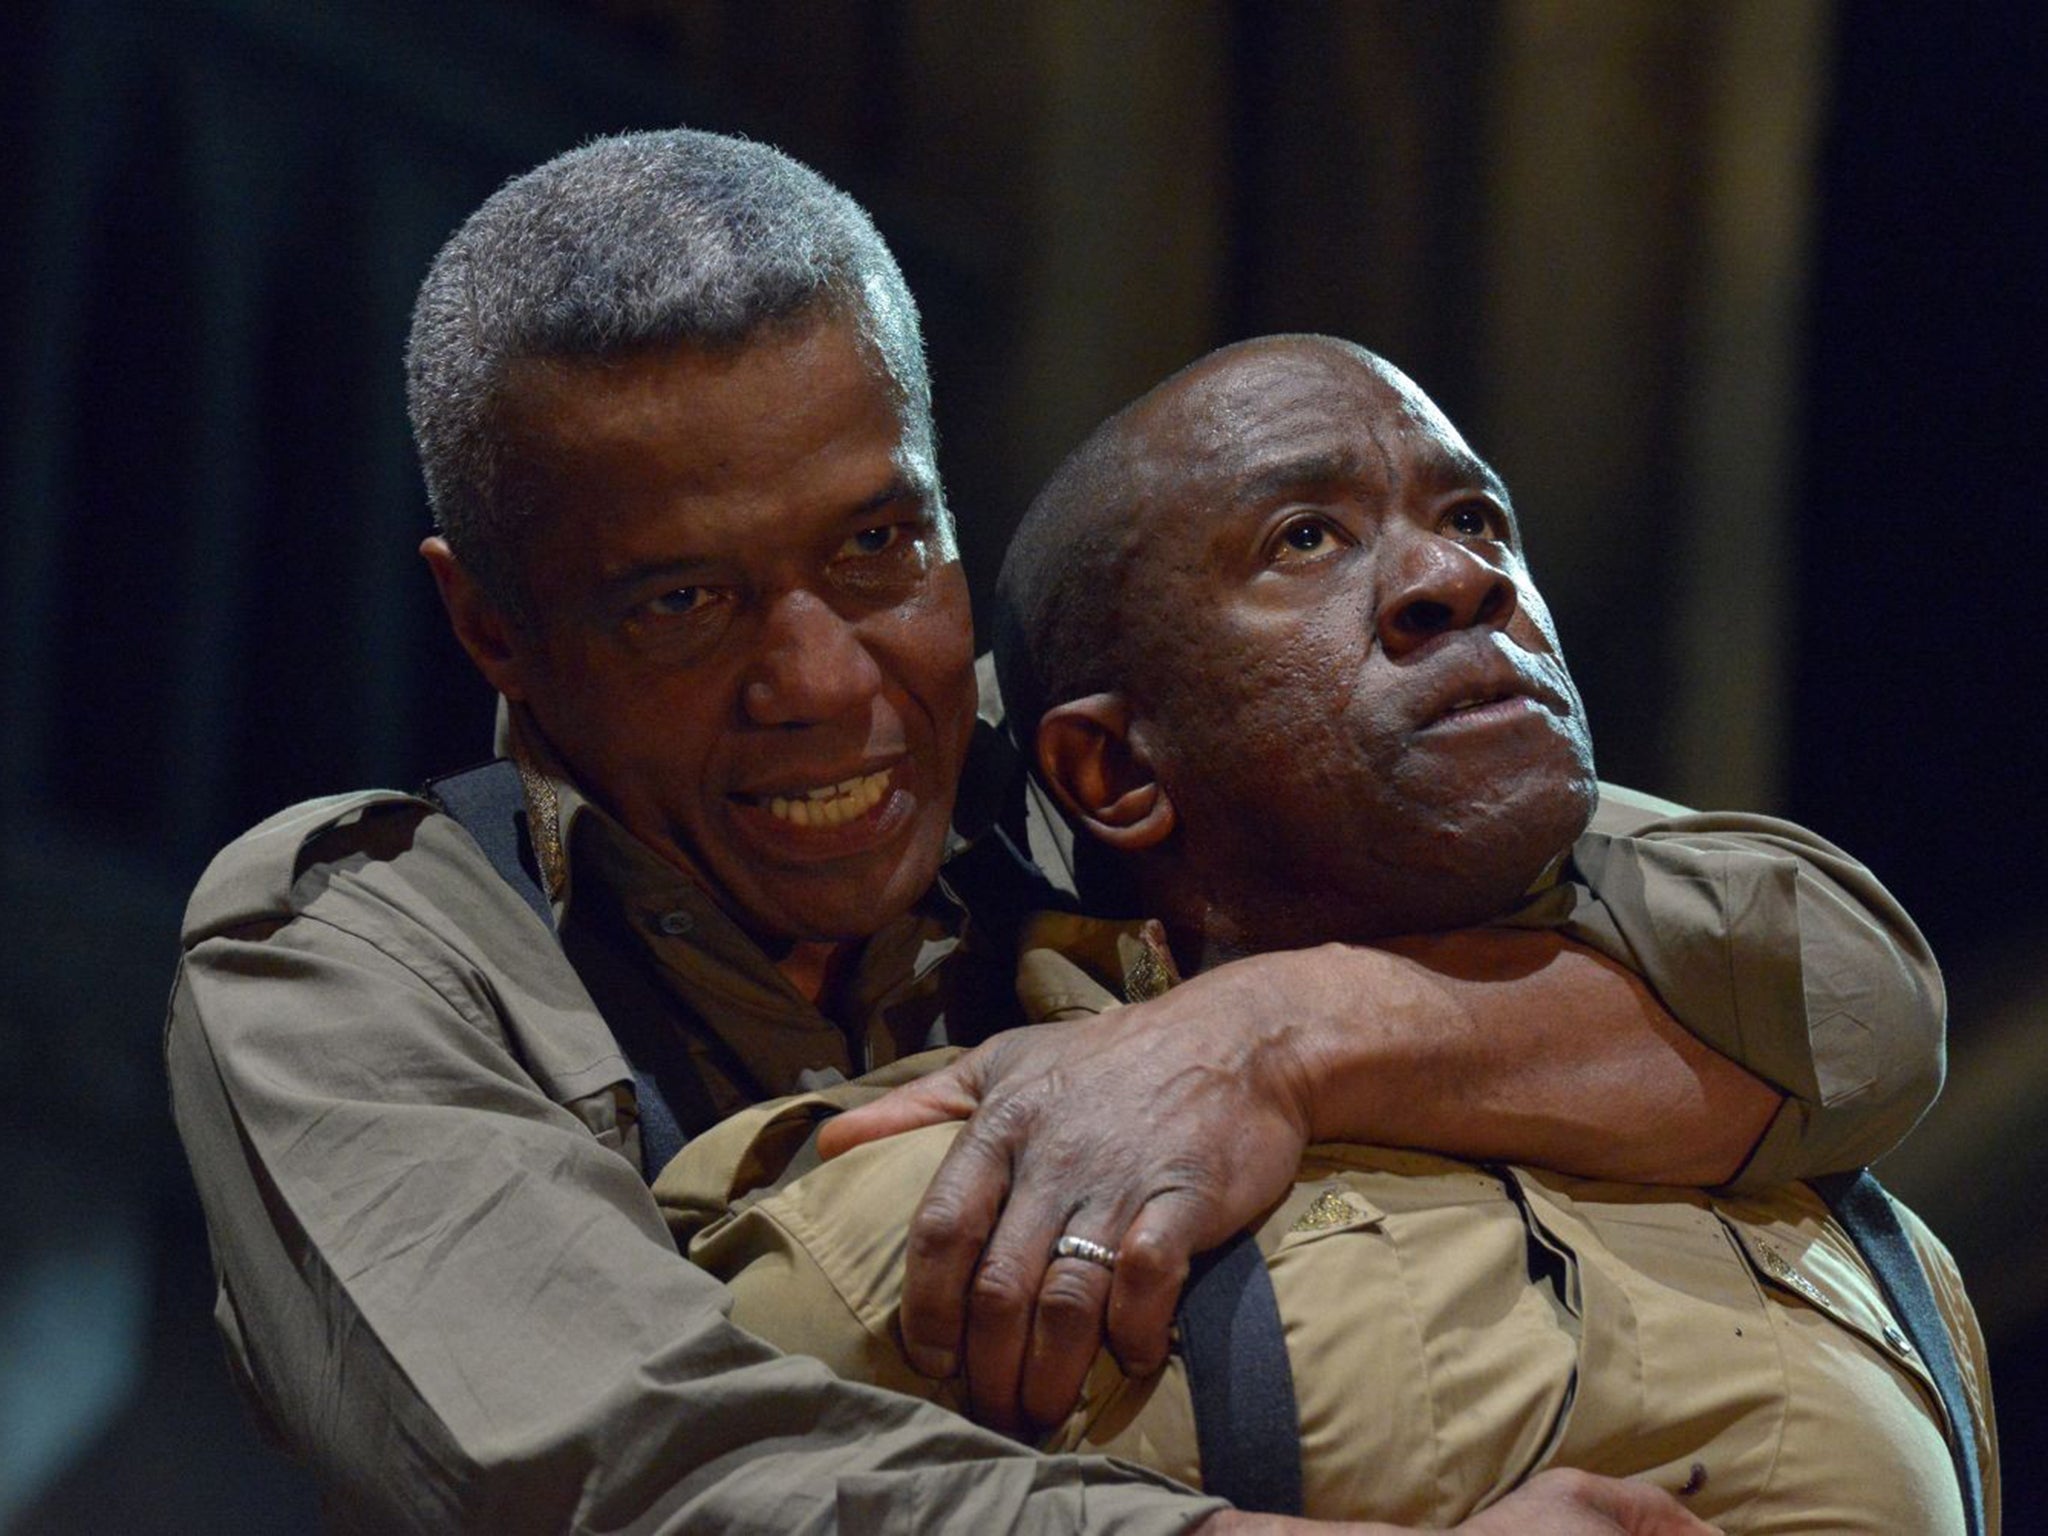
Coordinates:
[627,245]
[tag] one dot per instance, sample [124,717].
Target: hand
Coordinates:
[1161,1129]
[1157,1130]
[1560,1502]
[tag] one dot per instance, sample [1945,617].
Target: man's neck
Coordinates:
[815,967]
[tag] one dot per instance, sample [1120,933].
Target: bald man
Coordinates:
[1293,684]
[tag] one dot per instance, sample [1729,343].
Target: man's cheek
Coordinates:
[1538,629]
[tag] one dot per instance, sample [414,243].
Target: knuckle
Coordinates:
[1199,1173]
[1153,1259]
[1567,1483]
[937,1234]
[1070,1302]
[1005,1117]
[997,1292]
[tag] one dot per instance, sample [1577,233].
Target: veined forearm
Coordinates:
[1509,1044]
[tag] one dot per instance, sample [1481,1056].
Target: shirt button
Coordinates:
[675,924]
[1897,1339]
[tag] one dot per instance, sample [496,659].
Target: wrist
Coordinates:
[1338,1038]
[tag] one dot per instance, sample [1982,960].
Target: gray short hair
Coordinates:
[627,244]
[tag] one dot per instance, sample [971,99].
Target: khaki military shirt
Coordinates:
[1452,1329]
[445,1284]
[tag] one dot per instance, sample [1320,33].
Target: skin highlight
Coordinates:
[1329,617]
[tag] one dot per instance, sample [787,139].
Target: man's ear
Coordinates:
[485,630]
[1099,776]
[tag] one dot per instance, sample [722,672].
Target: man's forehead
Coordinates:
[674,457]
[1265,416]
[639,399]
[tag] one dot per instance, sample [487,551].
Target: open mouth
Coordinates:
[1487,703]
[1480,703]
[828,805]
[1482,699]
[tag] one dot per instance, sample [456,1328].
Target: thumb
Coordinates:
[953,1092]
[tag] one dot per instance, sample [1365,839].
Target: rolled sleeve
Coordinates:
[1781,952]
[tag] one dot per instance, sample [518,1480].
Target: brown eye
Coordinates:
[682,601]
[884,562]
[872,541]
[1472,521]
[683,619]
[1306,538]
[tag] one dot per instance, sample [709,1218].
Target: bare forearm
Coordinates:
[1514,1045]
[1498,1043]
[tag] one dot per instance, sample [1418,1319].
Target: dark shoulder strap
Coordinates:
[1865,1211]
[490,803]
[1246,1424]
[1248,1427]
[491,806]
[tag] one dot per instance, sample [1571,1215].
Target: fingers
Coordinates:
[1003,1304]
[1135,1297]
[944,1255]
[1066,1329]
[1135,1125]
[1566,1502]
[951,1093]
[1639,1508]
[1151,1268]
[1034,1321]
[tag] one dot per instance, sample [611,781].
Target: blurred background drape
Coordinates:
[1743,298]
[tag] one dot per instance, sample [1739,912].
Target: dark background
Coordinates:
[1744,299]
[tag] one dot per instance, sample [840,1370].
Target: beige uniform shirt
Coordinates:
[447,1287]
[1452,1329]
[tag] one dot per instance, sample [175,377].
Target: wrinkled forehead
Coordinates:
[1256,418]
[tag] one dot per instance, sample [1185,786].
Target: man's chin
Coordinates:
[829,905]
[1480,862]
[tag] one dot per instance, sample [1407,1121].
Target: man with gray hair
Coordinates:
[425,1052]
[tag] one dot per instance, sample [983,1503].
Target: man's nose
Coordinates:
[1437,585]
[811,665]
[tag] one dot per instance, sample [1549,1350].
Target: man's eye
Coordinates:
[684,600]
[1305,538]
[883,563]
[877,540]
[1473,522]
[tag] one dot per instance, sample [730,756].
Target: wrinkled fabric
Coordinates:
[447,1288]
[1452,1329]
[1748,928]
[441,1274]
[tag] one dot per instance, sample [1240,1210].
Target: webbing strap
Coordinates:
[1248,1428]
[490,804]
[1865,1212]
[1246,1424]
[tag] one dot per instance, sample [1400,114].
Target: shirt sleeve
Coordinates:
[1781,952]
[463,1308]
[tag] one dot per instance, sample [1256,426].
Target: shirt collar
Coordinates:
[554,804]
[562,820]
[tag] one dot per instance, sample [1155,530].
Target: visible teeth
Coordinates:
[832,805]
